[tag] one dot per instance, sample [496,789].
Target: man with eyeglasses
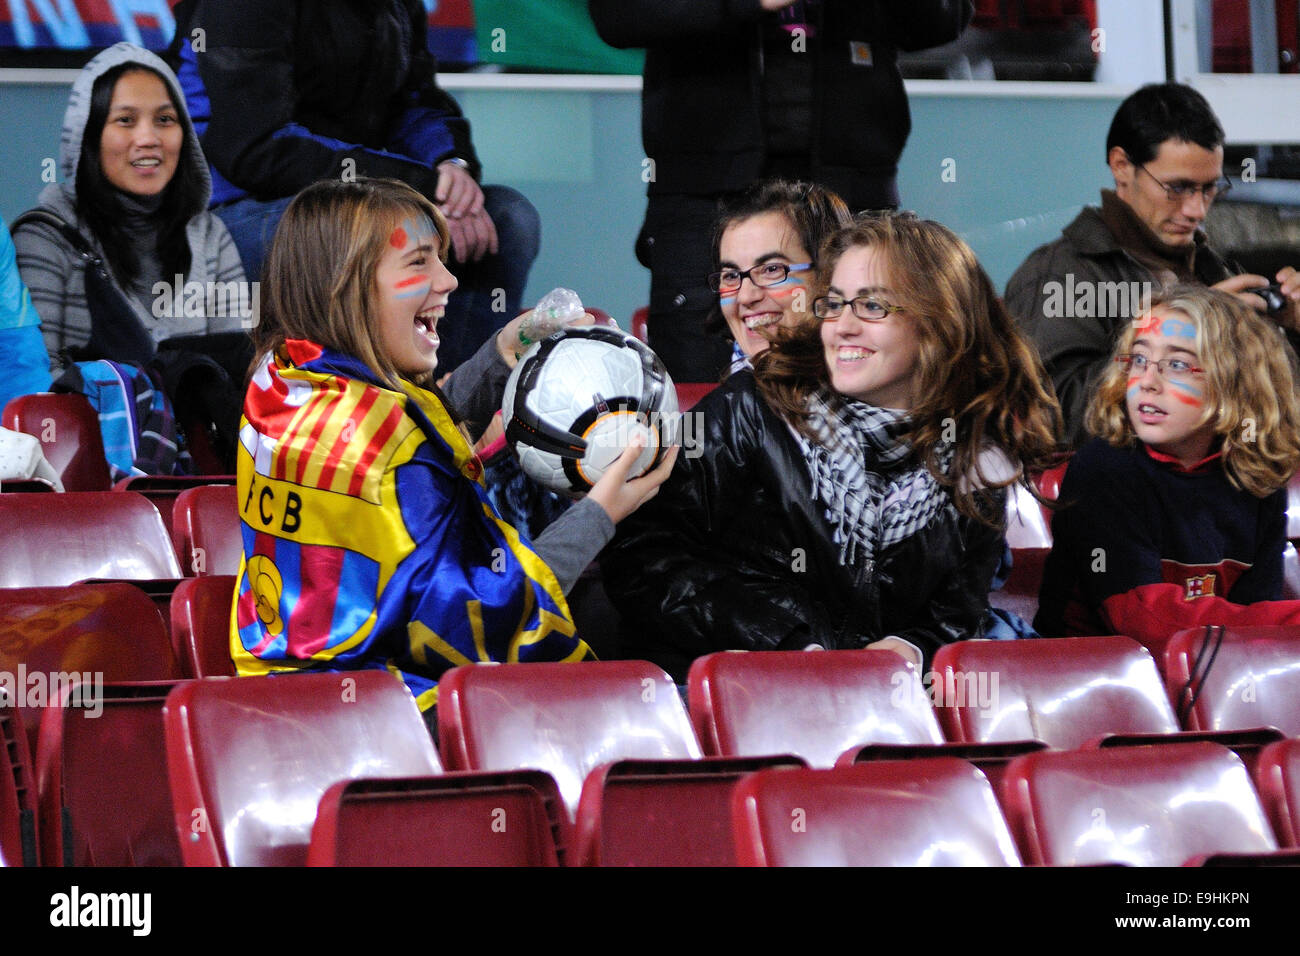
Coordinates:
[1072,296]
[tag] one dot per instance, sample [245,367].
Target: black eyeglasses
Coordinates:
[764,274]
[1179,191]
[866,307]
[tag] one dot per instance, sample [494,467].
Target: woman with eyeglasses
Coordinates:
[764,248]
[1174,515]
[850,491]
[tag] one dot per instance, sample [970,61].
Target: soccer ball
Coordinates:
[576,398]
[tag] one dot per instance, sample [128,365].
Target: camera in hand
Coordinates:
[1272,296]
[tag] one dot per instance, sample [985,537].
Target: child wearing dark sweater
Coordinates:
[1174,515]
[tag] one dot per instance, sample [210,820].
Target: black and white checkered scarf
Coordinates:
[857,469]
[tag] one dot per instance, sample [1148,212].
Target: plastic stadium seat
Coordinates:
[1277,778]
[689,395]
[641,324]
[100,535]
[205,529]
[102,776]
[513,819]
[1062,691]
[938,812]
[249,758]
[813,704]
[565,719]
[1019,593]
[1027,527]
[18,804]
[68,429]
[163,490]
[662,812]
[111,629]
[1139,806]
[200,631]
[1236,678]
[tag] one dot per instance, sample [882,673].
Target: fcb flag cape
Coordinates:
[369,539]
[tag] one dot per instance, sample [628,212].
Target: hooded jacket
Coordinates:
[212,297]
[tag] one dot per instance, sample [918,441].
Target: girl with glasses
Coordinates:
[1174,515]
[850,491]
[764,249]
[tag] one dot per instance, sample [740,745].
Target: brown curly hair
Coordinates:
[979,381]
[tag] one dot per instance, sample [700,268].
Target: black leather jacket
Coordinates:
[734,553]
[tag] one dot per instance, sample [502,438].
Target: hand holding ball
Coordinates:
[577,399]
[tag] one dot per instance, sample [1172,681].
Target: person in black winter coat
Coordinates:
[851,490]
[738,90]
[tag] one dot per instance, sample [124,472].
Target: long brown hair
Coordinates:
[978,382]
[1250,389]
[320,273]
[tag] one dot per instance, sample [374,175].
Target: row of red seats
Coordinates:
[582,723]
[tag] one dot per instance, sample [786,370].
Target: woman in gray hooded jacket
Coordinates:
[135,187]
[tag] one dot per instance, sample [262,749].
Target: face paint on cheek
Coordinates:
[410,290]
[726,300]
[1133,388]
[1187,394]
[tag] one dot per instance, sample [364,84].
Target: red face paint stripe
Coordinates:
[413,280]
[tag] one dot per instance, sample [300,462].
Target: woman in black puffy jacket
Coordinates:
[851,490]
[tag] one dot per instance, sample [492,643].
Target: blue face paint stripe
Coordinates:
[1184,386]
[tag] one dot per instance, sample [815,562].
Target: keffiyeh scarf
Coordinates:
[857,469]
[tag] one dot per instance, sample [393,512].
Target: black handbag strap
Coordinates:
[70,235]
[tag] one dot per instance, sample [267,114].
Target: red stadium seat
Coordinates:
[18,803]
[1139,806]
[163,490]
[689,395]
[641,324]
[200,619]
[565,719]
[109,629]
[1062,691]
[514,819]
[811,704]
[662,812]
[1277,778]
[250,758]
[1236,678]
[68,429]
[102,774]
[938,812]
[206,531]
[89,535]
[1019,593]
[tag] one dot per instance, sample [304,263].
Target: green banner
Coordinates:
[551,35]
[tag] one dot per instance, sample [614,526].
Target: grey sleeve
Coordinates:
[573,540]
[55,276]
[474,390]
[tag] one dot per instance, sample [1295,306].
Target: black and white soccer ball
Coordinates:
[575,400]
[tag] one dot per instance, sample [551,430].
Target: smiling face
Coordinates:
[753,311]
[1166,410]
[873,362]
[1174,221]
[141,142]
[412,287]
